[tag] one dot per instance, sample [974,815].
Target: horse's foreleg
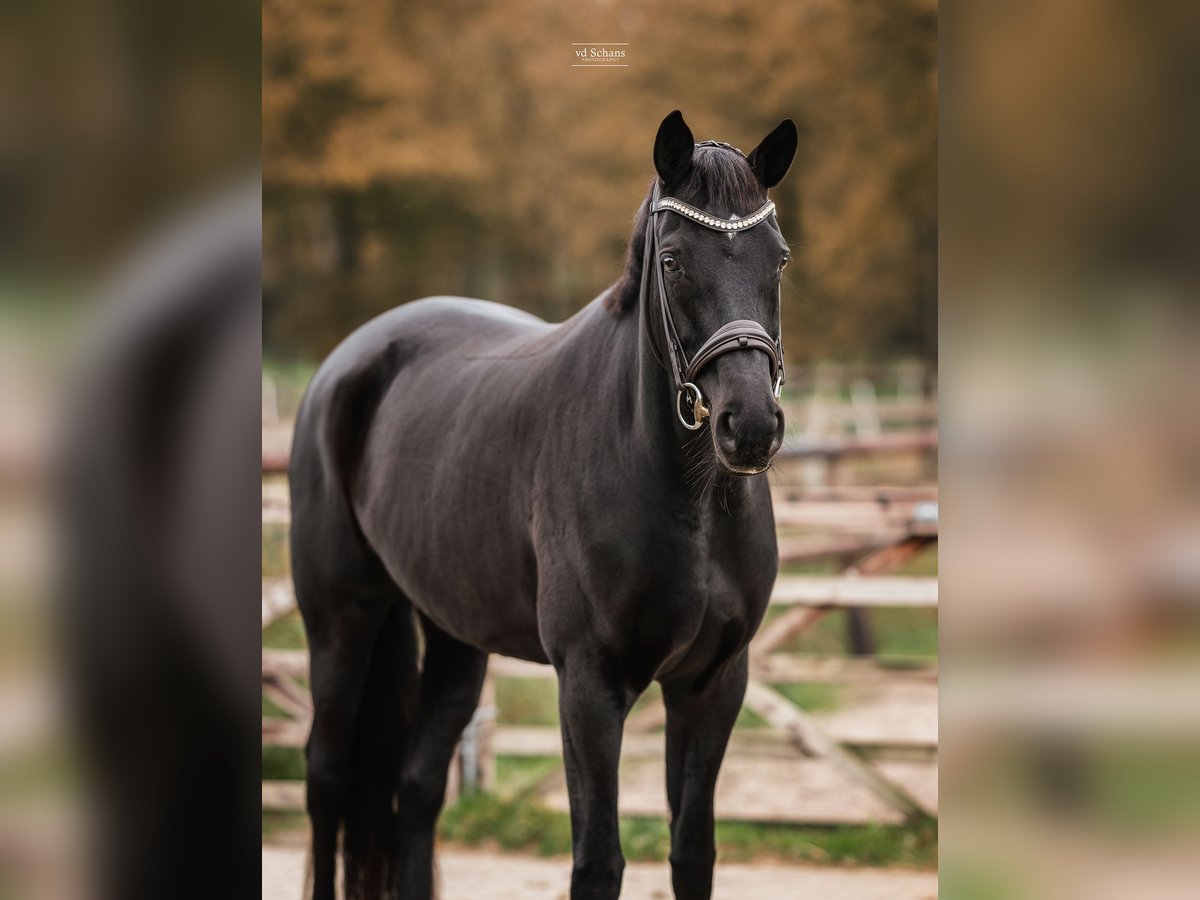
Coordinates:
[592,707]
[698,727]
[451,680]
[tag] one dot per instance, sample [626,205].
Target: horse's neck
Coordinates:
[653,427]
[607,360]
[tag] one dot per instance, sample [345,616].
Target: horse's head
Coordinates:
[720,255]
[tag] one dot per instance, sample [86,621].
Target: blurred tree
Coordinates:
[415,149]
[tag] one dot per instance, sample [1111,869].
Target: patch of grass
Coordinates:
[972,881]
[516,774]
[905,632]
[924,563]
[748,718]
[277,822]
[290,377]
[38,771]
[282,764]
[903,663]
[862,845]
[526,701]
[484,818]
[826,635]
[898,633]
[520,824]
[645,838]
[810,567]
[271,711]
[285,633]
[812,697]
[276,562]
[26,634]
[651,696]
[1129,787]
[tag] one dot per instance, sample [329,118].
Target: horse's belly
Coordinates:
[444,500]
[487,600]
[462,559]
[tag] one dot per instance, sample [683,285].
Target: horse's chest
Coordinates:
[668,590]
[705,613]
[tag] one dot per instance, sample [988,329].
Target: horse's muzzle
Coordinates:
[748,439]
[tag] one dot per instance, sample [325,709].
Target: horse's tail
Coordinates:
[373,829]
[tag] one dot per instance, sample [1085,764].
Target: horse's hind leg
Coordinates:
[363,673]
[699,722]
[451,680]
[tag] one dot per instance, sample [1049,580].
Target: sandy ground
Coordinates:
[469,875]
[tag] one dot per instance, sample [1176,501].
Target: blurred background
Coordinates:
[452,149]
[129,371]
[1071,633]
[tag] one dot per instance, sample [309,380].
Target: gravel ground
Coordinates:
[469,875]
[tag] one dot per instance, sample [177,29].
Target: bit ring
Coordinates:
[699,410]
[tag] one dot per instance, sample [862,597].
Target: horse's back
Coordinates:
[403,334]
[347,389]
[391,432]
[362,366]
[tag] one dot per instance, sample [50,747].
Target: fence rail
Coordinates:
[810,597]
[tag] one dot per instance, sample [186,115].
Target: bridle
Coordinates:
[740,334]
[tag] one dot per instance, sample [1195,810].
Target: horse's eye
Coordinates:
[783,263]
[670,264]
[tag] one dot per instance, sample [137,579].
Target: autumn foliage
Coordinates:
[416,149]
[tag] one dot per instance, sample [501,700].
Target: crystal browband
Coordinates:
[698,215]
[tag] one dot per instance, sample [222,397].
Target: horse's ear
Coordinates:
[673,148]
[771,159]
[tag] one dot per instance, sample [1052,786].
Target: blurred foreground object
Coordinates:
[120,122]
[161,562]
[1071,438]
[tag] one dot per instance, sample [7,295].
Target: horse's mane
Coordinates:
[720,181]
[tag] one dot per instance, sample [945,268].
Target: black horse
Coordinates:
[467,479]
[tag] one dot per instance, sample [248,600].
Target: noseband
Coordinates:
[740,334]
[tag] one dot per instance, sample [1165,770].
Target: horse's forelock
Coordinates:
[720,181]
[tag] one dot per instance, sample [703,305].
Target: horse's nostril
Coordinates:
[726,434]
[777,441]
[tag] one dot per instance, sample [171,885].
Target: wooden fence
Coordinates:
[805,599]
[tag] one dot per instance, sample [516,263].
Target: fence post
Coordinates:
[476,756]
